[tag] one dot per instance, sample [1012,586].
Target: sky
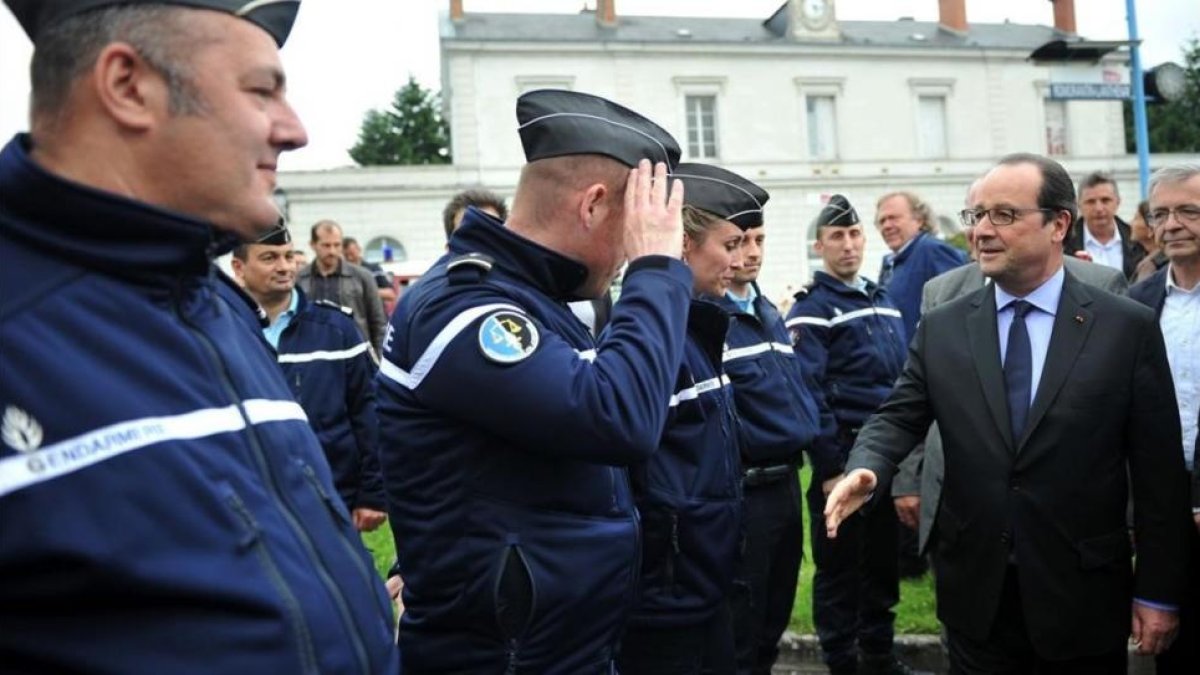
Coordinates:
[345,57]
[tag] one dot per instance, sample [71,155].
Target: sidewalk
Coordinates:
[800,655]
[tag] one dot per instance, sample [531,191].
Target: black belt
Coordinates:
[762,475]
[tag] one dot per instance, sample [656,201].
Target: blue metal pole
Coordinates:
[1141,132]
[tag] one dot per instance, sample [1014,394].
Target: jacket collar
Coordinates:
[555,274]
[908,248]
[100,230]
[839,287]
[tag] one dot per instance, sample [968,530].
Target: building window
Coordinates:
[701,126]
[822,126]
[1056,127]
[384,249]
[528,83]
[931,127]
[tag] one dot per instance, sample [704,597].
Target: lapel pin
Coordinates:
[1078,318]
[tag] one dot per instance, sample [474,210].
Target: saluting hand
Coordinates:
[847,497]
[653,220]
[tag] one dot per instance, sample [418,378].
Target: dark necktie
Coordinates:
[1018,369]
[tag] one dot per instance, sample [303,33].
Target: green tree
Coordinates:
[410,131]
[1174,126]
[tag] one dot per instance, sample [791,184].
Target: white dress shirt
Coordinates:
[1039,322]
[1180,323]
[1111,254]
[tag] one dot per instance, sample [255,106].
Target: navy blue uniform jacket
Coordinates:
[506,435]
[853,344]
[328,366]
[164,506]
[689,492]
[772,391]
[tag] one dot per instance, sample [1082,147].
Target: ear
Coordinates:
[818,247]
[238,268]
[134,94]
[1062,223]
[592,207]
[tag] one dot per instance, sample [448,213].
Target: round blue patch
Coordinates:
[507,337]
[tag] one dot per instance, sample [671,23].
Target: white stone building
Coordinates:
[801,103]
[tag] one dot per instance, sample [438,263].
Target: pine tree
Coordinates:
[411,131]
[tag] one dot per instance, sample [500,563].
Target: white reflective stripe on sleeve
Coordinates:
[807,321]
[53,461]
[412,380]
[588,355]
[843,318]
[866,311]
[743,352]
[694,391]
[340,355]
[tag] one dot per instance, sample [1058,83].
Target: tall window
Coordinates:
[931,127]
[1056,127]
[701,126]
[822,126]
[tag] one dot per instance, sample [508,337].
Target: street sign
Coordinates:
[1088,90]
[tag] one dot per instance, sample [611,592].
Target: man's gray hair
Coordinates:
[1173,175]
[68,49]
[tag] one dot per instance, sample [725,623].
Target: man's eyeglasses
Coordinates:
[999,216]
[1184,214]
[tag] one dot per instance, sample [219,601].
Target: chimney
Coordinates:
[456,11]
[1064,16]
[952,15]
[606,13]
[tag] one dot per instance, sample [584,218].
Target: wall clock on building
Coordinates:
[816,14]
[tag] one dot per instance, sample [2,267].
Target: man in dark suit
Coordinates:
[1052,398]
[917,487]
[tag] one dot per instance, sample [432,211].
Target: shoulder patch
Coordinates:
[507,337]
[333,305]
[468,268]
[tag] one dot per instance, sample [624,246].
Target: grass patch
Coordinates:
[915,614]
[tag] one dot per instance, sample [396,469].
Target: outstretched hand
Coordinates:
[847,497]
[653,220]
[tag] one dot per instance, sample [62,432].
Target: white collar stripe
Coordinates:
[26,469]
[413,379]
[340,355]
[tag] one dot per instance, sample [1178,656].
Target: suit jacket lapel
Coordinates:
[985,348]
[1072,324]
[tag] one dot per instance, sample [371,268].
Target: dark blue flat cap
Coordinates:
[554,123]
[274,16]
[722,193]
[278,236]
[837,213]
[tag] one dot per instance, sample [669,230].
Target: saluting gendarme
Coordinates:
[164,506]
[506,429]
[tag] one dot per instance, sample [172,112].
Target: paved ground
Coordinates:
[800,655]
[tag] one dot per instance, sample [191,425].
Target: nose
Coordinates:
[289,133]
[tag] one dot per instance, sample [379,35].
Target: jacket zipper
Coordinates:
[307,656]
[272,484]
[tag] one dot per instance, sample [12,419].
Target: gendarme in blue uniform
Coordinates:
[164,506]
[689,492]
[506,430]
[851,340]
[327,364]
